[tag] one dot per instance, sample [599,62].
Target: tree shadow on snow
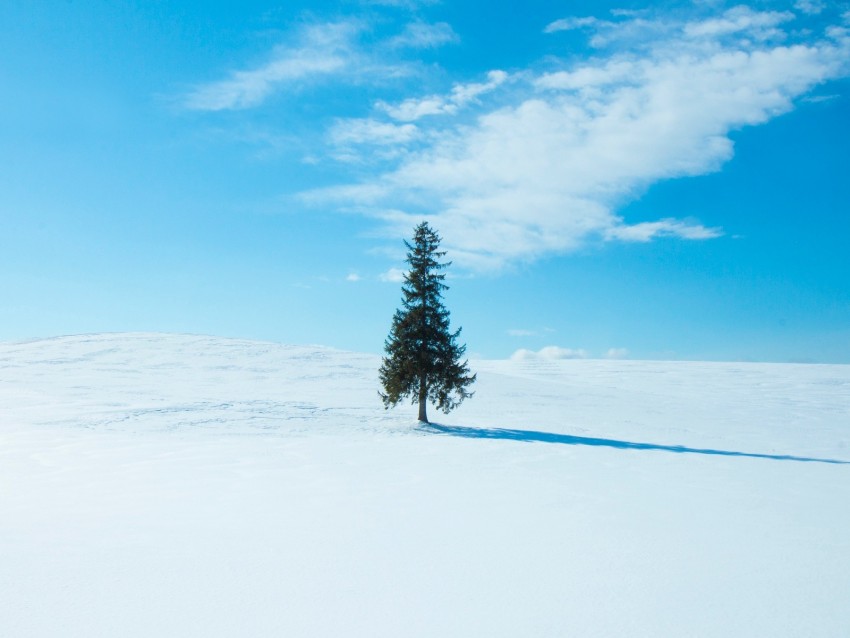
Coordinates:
[531,436]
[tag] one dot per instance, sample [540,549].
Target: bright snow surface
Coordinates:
[172,485]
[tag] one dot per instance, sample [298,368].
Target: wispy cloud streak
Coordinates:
[322,50]
[319,52]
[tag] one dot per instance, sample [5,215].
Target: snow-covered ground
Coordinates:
[172,485]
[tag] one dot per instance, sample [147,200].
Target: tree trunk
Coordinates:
[423,400]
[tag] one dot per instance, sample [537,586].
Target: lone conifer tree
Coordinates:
[423,357]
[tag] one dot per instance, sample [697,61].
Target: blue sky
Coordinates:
[623,180]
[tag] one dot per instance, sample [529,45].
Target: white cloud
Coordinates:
[422,35]
[570,24]
[404,4]
[839,34]
[636,31]
[550,353]
[758,24]
[631,13]
[371,131]
[647,231]
[613,72]
[415,108]
[546,170]
[555,353]
[245,89]
[810,7]
[393,275]
[353,277]
[321,50]
[464,93]
[324,50]
[460,96]
[817,99]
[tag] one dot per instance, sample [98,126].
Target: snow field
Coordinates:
[174,485]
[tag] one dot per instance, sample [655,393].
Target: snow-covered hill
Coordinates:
[172,485]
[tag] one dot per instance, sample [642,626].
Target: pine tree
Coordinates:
[423,356]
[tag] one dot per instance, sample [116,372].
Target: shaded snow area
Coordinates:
[169,485]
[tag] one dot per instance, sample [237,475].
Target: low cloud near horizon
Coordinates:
[555,353]
[551,353]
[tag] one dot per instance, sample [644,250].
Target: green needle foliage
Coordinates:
[423,359]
